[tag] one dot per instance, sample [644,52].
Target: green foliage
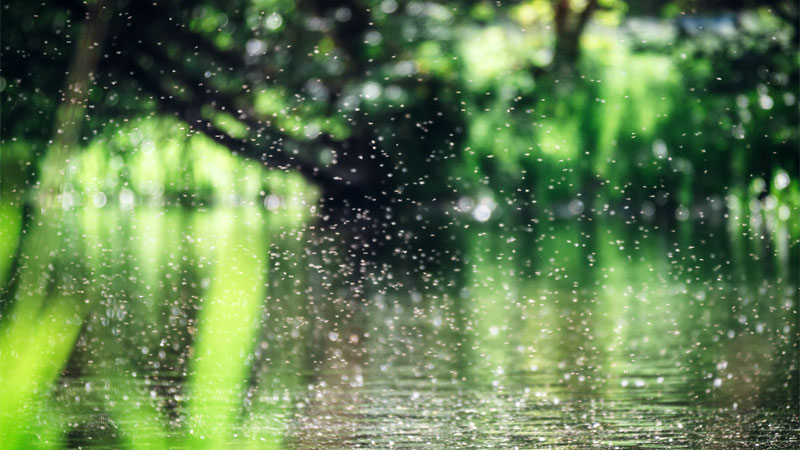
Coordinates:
[10,236]
[227,330]
[34,348]
[637,123]
[677,108]
[229,248]
[435,101]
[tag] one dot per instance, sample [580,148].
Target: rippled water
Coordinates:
[228,328]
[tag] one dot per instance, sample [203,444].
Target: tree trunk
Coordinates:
[69,115]
[42,230]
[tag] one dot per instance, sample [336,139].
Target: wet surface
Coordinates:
[571,335]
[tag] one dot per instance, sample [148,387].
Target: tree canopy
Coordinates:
[379,102]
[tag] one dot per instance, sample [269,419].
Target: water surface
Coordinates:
[241,328]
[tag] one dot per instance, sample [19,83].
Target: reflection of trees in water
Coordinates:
[601,310]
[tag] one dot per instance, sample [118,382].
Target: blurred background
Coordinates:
[328,224]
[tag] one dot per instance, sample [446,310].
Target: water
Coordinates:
[242,328]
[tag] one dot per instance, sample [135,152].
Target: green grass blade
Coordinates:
[227,329]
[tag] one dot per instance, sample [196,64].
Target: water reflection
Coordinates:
[238,328]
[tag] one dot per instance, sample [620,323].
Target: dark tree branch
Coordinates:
[189,112]
[146,28]
[196,43]
[334,178]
